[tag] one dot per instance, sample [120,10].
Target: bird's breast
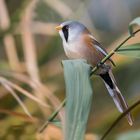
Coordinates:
[73,50]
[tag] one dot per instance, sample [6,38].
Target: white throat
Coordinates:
[72,47]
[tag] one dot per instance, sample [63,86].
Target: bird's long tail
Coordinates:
[115,93]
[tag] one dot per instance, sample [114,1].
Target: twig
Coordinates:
[119,118]
[53,115]
[95,68]
[113,51]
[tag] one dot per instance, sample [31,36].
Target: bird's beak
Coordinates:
[58,28]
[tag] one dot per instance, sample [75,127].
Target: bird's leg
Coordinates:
[99,64]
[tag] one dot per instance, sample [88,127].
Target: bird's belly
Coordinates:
[73,51]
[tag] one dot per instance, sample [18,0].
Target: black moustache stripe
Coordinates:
[65,32]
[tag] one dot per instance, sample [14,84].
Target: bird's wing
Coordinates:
[92,43]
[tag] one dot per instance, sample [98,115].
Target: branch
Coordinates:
[51,118]
[113,51]
[119,118]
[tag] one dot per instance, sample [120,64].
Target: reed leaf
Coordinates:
[131,135]
[130,50]
[133,23]
[79,98]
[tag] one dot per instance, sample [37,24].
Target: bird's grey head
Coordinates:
[71,30]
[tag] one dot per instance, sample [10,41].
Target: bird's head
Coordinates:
[71,30]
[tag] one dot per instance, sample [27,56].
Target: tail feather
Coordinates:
[116,94]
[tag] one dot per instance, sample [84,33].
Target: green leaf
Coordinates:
[79,98]
[131,135]
[56,123]
[130,50]
[135,22]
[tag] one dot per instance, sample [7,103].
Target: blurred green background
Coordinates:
[30,57]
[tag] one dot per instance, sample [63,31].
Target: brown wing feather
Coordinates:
[98,44]
[90,42]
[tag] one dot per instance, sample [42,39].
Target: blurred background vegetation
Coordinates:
[30,64]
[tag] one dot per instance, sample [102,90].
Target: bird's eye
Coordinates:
[67,27]
[66,32]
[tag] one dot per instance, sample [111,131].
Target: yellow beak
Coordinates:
[58,28]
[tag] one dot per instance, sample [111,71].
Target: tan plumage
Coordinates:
[95,53]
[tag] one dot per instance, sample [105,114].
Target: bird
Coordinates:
[79,43]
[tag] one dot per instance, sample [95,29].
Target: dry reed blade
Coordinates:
[6,85]
[25,92]
[8,40]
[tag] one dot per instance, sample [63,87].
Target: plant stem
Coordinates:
[113,51]
[54,114]
[119,118]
